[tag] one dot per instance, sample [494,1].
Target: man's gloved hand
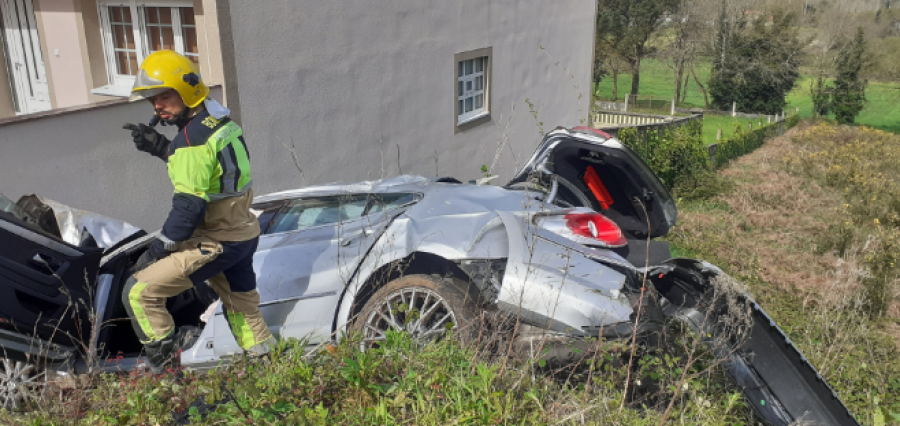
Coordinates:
[147,139]
[156,251]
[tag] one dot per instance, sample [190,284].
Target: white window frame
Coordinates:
[141,40]
[468,90]
[465,88]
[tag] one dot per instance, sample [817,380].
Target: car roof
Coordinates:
[403,183]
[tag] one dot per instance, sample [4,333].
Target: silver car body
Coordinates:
[309,279]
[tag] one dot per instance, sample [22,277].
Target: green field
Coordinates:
[657,80]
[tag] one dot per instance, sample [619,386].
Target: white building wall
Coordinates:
[349,81]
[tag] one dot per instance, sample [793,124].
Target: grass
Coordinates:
[403,383]
[882,111]
[782,229]
[657,80]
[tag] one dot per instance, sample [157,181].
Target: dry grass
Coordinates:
[765,227]
[800,233]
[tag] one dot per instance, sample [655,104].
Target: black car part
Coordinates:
[777,381]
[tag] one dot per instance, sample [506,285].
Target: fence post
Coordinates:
[626,102]
[734,109]
[768,119]
[719,135]
[673,108]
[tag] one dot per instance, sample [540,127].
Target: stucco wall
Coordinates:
[348,83]
[85,159]
[63,53]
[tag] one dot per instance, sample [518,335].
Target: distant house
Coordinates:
[64,53]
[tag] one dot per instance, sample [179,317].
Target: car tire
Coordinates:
[21,384]
[424,306]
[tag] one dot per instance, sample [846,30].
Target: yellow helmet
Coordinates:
[164,70]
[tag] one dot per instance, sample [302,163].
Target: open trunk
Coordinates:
[596,171]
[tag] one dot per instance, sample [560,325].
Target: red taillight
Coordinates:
[596,226]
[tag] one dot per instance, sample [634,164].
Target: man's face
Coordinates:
[168,105]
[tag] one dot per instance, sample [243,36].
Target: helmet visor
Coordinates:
[137,95]
[143,81]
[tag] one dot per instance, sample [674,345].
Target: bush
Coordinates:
[861,163]
[743,143]
[675,154]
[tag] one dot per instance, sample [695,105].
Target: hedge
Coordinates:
[677,154]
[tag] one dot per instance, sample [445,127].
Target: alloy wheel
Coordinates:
[19,382]
[419,311]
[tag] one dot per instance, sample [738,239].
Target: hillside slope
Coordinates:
[799,225]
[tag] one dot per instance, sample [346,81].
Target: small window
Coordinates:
[124,49]
[313,212]
[132,31]
[472,86]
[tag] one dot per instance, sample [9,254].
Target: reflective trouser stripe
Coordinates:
[242,313]
[134,298]
[241,329]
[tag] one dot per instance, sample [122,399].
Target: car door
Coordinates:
[46,284]
[307,255]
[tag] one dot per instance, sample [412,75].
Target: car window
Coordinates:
[385,202]
[312,212]
[265,214]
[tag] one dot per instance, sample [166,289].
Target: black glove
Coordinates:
[147,139]
[156,251]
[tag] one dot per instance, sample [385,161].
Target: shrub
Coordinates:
[675,154]
[861,164]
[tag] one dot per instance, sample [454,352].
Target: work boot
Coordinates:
[163,354]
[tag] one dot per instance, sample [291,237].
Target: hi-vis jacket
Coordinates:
[209,165]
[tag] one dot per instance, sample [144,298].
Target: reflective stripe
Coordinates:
[217,197]
[241,330]
[134,297]
[230,172]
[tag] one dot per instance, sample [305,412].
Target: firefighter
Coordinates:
[210,233]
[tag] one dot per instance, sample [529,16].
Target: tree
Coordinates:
[757,62]
[600,68]
[821,97]
[849,95]
[625,26]
[687,37]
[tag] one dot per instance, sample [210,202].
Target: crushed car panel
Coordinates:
[552,286]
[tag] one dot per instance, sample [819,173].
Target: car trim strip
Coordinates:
[292,299]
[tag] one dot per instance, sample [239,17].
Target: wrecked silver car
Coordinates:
[565,248]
